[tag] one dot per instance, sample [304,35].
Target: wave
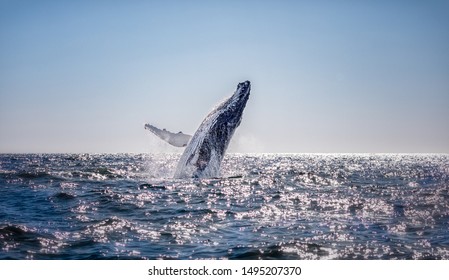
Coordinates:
[63,196]
[286,251]
[264,207]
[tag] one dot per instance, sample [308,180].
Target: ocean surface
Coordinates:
[264,206]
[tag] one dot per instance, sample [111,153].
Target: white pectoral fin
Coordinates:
[176,139]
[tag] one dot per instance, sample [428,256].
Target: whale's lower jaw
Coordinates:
[205,151]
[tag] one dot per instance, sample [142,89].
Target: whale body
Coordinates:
[205,150]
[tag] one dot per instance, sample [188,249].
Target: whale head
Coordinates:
[232,109]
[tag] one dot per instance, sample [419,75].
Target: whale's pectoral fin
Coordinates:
[176,139]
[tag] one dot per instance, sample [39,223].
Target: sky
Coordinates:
[327,76]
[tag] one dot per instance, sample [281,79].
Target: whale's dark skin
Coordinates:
[203,155]
[204,152]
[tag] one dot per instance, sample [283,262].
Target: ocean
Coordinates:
[264,206]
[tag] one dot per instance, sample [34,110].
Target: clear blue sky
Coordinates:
[327,76]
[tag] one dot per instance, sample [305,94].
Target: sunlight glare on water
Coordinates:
[264,206]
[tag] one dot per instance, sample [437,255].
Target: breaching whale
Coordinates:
[205,150]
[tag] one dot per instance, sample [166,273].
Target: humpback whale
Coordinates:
[204,151]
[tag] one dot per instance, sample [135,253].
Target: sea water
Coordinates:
[263,206]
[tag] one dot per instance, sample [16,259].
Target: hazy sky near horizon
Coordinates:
[327,76]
